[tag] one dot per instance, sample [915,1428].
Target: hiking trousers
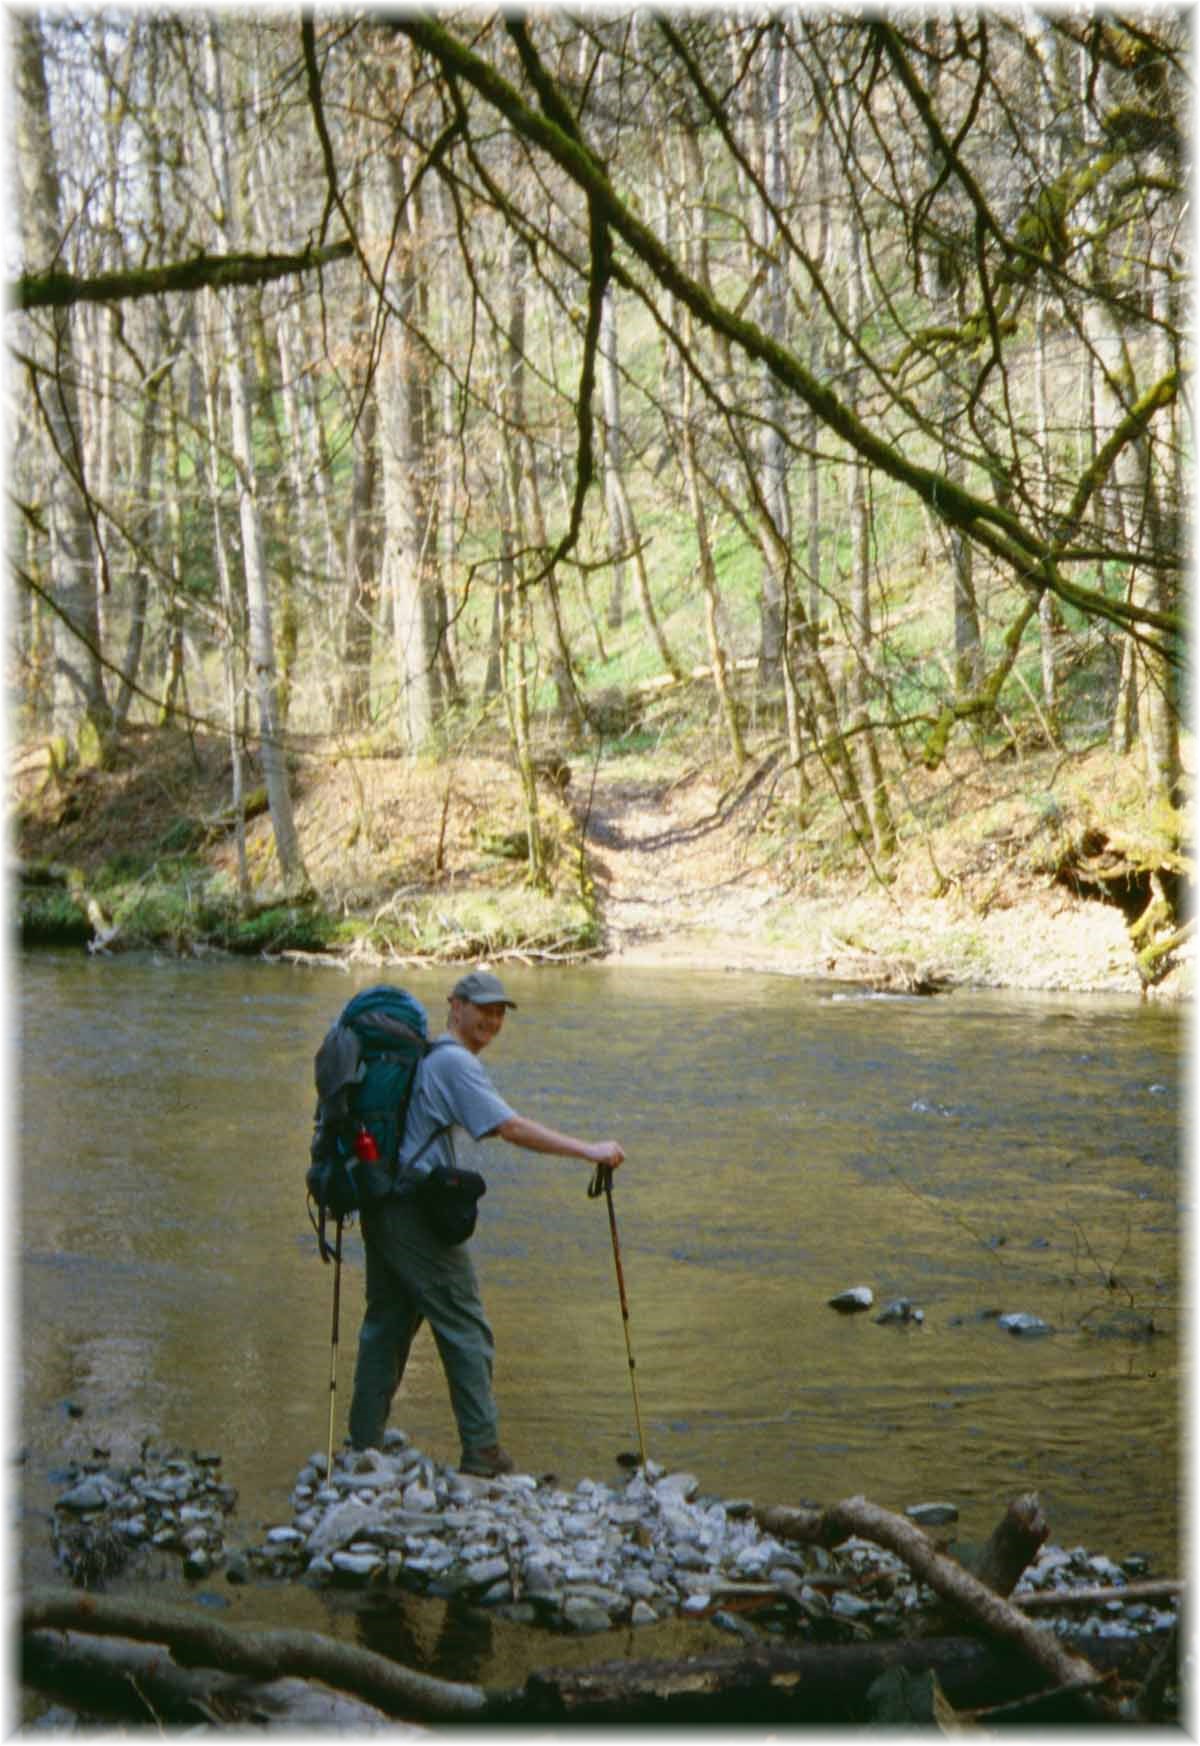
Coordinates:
[411,1278]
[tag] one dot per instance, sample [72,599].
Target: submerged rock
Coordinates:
[1021,1322]
[932,1515]
[902,1310]
[857,1297]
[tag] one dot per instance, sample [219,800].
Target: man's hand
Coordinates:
[607,1152]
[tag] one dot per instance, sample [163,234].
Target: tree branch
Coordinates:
[1031,559]
[202,271]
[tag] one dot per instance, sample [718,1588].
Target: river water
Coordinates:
[975,1153]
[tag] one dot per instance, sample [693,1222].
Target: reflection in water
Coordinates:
[975,1153]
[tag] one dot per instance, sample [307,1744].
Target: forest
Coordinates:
[802,386]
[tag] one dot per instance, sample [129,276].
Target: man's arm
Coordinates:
[519,1130]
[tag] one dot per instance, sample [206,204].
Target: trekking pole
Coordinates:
[333,1344]
[602,1183]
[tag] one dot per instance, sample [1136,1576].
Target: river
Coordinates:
[975,1153]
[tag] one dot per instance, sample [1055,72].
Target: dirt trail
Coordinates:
[681,882]
[673,879]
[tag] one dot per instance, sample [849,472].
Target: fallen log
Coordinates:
[259,1655]
[1047,1599]
[116,1677]
[990,1611]
[968,1596]
[1014,1543]
[810,1683]
[217,1674]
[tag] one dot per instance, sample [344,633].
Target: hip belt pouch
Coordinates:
[449,1200]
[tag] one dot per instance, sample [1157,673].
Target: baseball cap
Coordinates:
[481,987]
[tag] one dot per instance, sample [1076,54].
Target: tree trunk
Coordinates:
[860,661]
[230,639]
[941,266]
[262,649]
[517,643]
[708,572]
[623,531]
[615,614]
[79,702]
[776,579]
[393,212]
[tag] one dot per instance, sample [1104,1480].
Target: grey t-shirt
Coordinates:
[452,1091]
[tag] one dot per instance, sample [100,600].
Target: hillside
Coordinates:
[1033,879]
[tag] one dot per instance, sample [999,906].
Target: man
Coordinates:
[411,1275]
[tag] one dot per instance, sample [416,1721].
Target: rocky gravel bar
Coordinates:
[650,1547]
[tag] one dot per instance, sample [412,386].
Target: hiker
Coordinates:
[414,1277]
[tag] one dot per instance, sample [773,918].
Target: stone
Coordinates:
[359,1566]
[484,1571]
[735,1625]
[690,1558]
[677,1485]
[854,1298]
[582,1614]
[88,1495]
[932,1515]
[643,1614]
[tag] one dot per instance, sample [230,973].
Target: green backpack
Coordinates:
[364,1073]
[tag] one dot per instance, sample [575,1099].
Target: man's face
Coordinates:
[477,1026]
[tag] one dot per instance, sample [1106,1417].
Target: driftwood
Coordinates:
[808,1683]
[1014,1544]
[1016,1541]
[968,1595]
[117,1677]
[1048,1599]
[259,1655]
[1014,1666]
[948,1579]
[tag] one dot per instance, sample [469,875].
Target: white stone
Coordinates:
[677,1485]
[358,1564]
[638,1586]
[855,1297]
[284,1537]
[485,1570]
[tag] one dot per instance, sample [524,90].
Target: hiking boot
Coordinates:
[488,1463]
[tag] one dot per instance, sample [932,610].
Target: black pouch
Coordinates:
[449,1199]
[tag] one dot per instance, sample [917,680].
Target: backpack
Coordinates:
[364,1073]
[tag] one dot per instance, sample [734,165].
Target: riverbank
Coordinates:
[856,1588]
[1055,872]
